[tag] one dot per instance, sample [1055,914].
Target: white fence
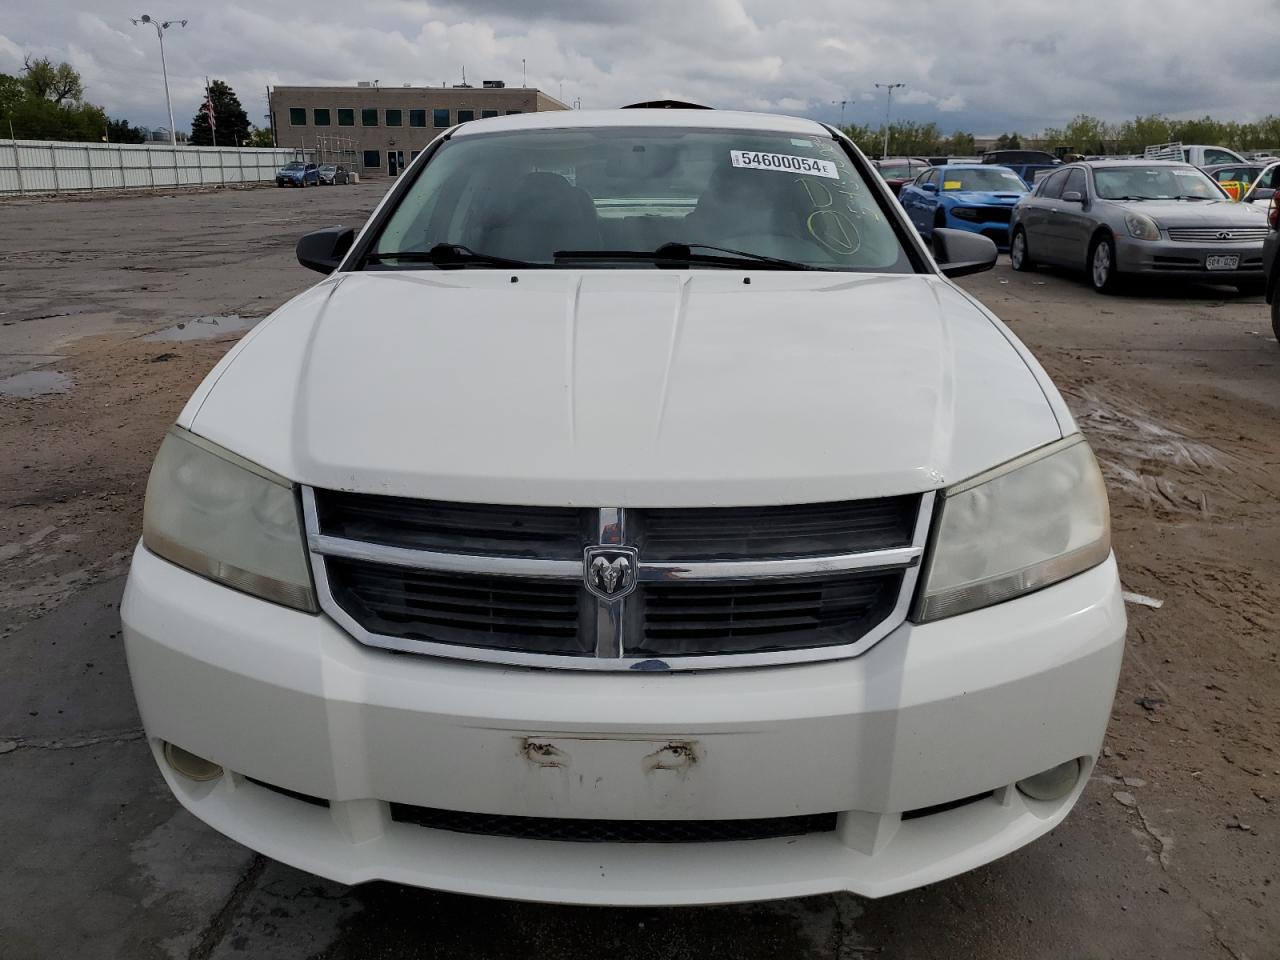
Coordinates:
[41,166]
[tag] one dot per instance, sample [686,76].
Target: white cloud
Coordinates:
[1001,65]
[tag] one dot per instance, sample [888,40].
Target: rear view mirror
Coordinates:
[929,188]
[1073,196]
[960,253]
[324,249]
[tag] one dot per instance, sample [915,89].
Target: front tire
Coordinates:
[1103,276]
[1019,254]
[1275,313]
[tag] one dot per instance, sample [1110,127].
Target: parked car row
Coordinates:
[299,174]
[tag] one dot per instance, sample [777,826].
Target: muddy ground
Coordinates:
[1174,851]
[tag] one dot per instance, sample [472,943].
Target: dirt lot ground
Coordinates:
[1173,853]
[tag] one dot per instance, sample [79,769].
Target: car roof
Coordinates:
[586,119]
[1135,162]
[975,166]
[1233,166]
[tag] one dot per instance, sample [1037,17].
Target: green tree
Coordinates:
[959,144]
[120,131]
[231,123]
[260,137]
[45,81]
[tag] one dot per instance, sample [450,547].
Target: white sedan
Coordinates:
[635,514]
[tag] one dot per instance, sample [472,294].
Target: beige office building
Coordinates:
[379,129]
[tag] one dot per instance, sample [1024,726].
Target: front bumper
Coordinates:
[995,230]
[1175,258]
[930,715]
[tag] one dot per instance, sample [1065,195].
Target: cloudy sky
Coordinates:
[978,65]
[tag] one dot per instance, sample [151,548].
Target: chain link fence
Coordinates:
[40,166]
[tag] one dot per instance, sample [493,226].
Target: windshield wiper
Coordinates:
[447,255]
[1126,198]
[1189,196]
[685,253]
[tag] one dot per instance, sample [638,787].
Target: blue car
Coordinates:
[298,174]
[970,196]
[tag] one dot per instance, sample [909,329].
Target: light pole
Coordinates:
[888,106]
[161,26]
[842,103]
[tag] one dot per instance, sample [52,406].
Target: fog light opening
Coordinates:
[1052,784]
[189,765]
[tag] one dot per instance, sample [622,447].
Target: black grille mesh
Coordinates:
[763,533]
[759,615]
[508,613]
[486,529]
[612,831]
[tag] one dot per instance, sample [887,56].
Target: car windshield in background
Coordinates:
[991,180]
[527,196]
[1155,183]
[294,166]
[895,171]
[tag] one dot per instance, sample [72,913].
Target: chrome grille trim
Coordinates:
[1210,234]
[610,623]
[444,562]
[652,571]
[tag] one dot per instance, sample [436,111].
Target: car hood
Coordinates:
[630,388]
[1197,213]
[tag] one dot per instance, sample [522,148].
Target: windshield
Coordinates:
[1154,183]
[528,195]
[895,171]
[294,166]
[989,179]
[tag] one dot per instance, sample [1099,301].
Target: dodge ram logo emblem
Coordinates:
[610,572]
[1224,234]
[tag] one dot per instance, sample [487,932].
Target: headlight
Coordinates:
[220,516]
[1142,227]
[966,213]
[1022,526]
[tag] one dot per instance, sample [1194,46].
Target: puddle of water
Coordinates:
[35,383]
[203,328]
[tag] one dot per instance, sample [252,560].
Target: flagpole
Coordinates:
[208,99]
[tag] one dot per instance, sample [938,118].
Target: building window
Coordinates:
[486,114]
[297,116]
[346,117]
[394,118]
[413,155]
[369,118]
[417,118]
[465,115]
[440,117]
[510,112]
[372,158]
[320,116]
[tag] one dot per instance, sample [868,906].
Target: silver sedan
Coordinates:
[1119,218]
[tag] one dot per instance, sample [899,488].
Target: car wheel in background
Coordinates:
[1275,314]
[1102,264]
[1019,254]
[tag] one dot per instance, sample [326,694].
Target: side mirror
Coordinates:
[324,249]
[960,253]
[929,187]
[1073,196]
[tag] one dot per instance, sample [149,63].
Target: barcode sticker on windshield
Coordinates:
[785,162]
